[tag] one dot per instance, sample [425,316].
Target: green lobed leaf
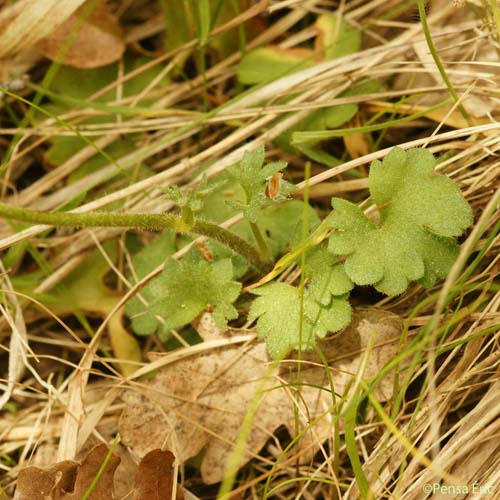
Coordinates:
[326,275]
[327,318]
[144,320]
[188,288]
[420,213]
[277,310]
[182,291]
[406,185]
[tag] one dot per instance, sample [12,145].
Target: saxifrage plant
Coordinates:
[420,213]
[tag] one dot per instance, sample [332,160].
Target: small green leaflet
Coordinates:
[191,201]
[326,275]
[277,310]
[421,213]
[185,289]
[253,175]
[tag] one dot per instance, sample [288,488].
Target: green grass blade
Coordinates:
[205,21]
[100,472]
[320,135]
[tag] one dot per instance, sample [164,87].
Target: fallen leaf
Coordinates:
[95,42]
[69,480]
[154,479]
[34,483]
[343,351]
[201,401]
[207,328]
[87,472]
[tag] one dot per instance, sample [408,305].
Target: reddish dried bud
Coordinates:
[273,185]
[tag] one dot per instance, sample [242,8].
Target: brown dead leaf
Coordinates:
[155,479]
[35,483]
[89,469]
[343,351]
[97,42]
[201,401]
[206,327]
[69,480]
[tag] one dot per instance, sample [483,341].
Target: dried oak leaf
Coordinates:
[97,42]
[200,401]
[35,483]
[154,479]
[69,480]
[343,351]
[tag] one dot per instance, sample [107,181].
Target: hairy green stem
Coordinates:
[148,222]
[234,242]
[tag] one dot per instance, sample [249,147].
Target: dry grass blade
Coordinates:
[18,347]
[26,22]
